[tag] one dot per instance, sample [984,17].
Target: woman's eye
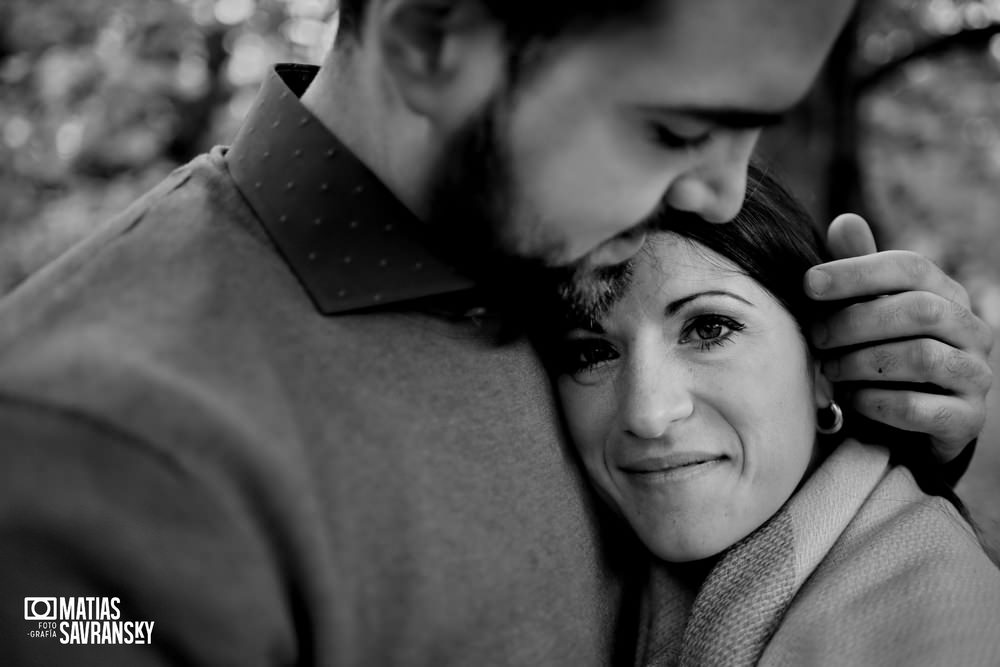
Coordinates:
[584,355]
[708,331]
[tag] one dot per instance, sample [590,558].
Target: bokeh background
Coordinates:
[99,99]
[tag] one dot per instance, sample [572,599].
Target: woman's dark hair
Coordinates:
[774,241]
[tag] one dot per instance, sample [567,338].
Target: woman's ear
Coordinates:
[443,57]
[822,387]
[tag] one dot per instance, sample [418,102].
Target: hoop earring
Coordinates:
[831,415]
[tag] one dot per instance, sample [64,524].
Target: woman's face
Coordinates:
[693,404]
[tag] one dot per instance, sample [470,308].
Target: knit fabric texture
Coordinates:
[858,567]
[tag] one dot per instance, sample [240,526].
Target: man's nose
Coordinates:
[715,186]
[653,399]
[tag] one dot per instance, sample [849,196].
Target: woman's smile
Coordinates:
[673,467]
[674,401]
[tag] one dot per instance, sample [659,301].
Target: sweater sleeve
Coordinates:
[88,512]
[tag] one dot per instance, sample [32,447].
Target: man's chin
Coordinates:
[585,293]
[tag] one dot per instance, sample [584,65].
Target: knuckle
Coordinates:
[960,313]
[958,364]
[926,356]
[958,294]
[963,425]
[941,417]
[927,311]
[917,267]
[910,409]
[986,378]
[969,370]
[984,336]
[981,375]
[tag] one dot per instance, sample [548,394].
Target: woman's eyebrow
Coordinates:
[676,305]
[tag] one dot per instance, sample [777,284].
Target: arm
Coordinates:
[915,357]
[89,511]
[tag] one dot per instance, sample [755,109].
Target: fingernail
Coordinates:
[818,281]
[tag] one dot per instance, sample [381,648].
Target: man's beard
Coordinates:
[473,194]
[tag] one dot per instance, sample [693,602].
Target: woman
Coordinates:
[703,418]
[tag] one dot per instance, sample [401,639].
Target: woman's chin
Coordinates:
[682,553]
[680,544]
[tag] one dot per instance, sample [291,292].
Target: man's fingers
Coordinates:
[882,273]
[910,314]
[951,422]
[850,236]
[921,360]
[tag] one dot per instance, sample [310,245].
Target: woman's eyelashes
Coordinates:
[710,330]
[581,355]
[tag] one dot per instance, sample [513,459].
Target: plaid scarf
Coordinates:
[729,620]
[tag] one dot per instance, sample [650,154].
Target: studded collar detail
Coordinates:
[350,242]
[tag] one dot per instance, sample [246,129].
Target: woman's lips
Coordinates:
[667,463]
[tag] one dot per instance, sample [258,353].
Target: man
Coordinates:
[265,410]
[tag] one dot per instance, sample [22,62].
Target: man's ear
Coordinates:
[443,57]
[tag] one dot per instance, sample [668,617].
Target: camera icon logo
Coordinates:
[40,609]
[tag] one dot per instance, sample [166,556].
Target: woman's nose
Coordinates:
[654,398]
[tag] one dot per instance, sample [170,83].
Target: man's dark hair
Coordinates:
[530,27]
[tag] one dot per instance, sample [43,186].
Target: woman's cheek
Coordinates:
[589,415]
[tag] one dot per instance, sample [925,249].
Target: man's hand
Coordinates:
[919,331]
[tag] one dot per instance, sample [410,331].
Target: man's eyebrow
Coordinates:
[739,119]
[676,305]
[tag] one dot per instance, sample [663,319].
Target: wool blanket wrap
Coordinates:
[859,567]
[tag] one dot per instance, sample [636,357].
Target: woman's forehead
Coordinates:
[669,255]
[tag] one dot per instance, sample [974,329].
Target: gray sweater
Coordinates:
[181,429]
